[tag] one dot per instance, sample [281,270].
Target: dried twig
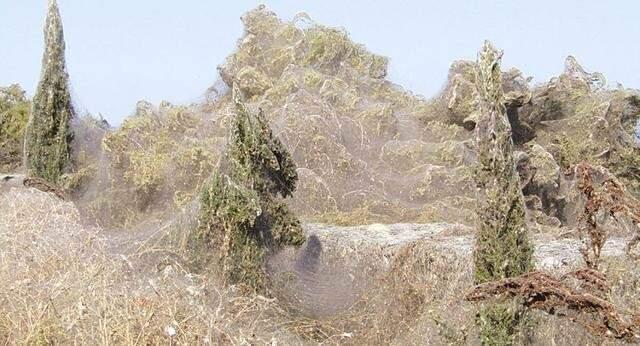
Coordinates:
[606,198]
[555,296]
[45,186]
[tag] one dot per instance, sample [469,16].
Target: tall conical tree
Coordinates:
[48,136]
[502,247]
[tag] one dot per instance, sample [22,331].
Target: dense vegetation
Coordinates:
[243,216]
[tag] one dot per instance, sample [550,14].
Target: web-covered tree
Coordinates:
[243,216]
[14,114]
[502,247]
[48,134]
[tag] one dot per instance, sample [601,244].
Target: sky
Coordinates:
[122,51]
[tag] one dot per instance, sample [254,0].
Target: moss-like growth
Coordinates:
[49,135]
[502,247]
[14,114]
[243,215]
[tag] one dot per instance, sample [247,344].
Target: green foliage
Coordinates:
[499,323]
[49,135]
[242,212]
[229,215]
[14,114]
[259,158]
[502,247]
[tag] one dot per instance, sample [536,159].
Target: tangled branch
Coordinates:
[605,198]
[583,304]
[45,186]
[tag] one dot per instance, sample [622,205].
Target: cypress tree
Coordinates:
[502,247]
[48,134]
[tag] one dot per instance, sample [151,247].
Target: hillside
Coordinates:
[385,193]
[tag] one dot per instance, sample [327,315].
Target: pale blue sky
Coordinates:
[121,51]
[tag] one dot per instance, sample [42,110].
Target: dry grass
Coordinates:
[68,283]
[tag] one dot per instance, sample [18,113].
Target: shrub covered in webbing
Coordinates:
[243,215]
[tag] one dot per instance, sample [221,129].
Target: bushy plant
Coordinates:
[14,114]
[158,160]
[228,215]
[243,215]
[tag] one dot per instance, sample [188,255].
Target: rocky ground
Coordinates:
[69,282]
